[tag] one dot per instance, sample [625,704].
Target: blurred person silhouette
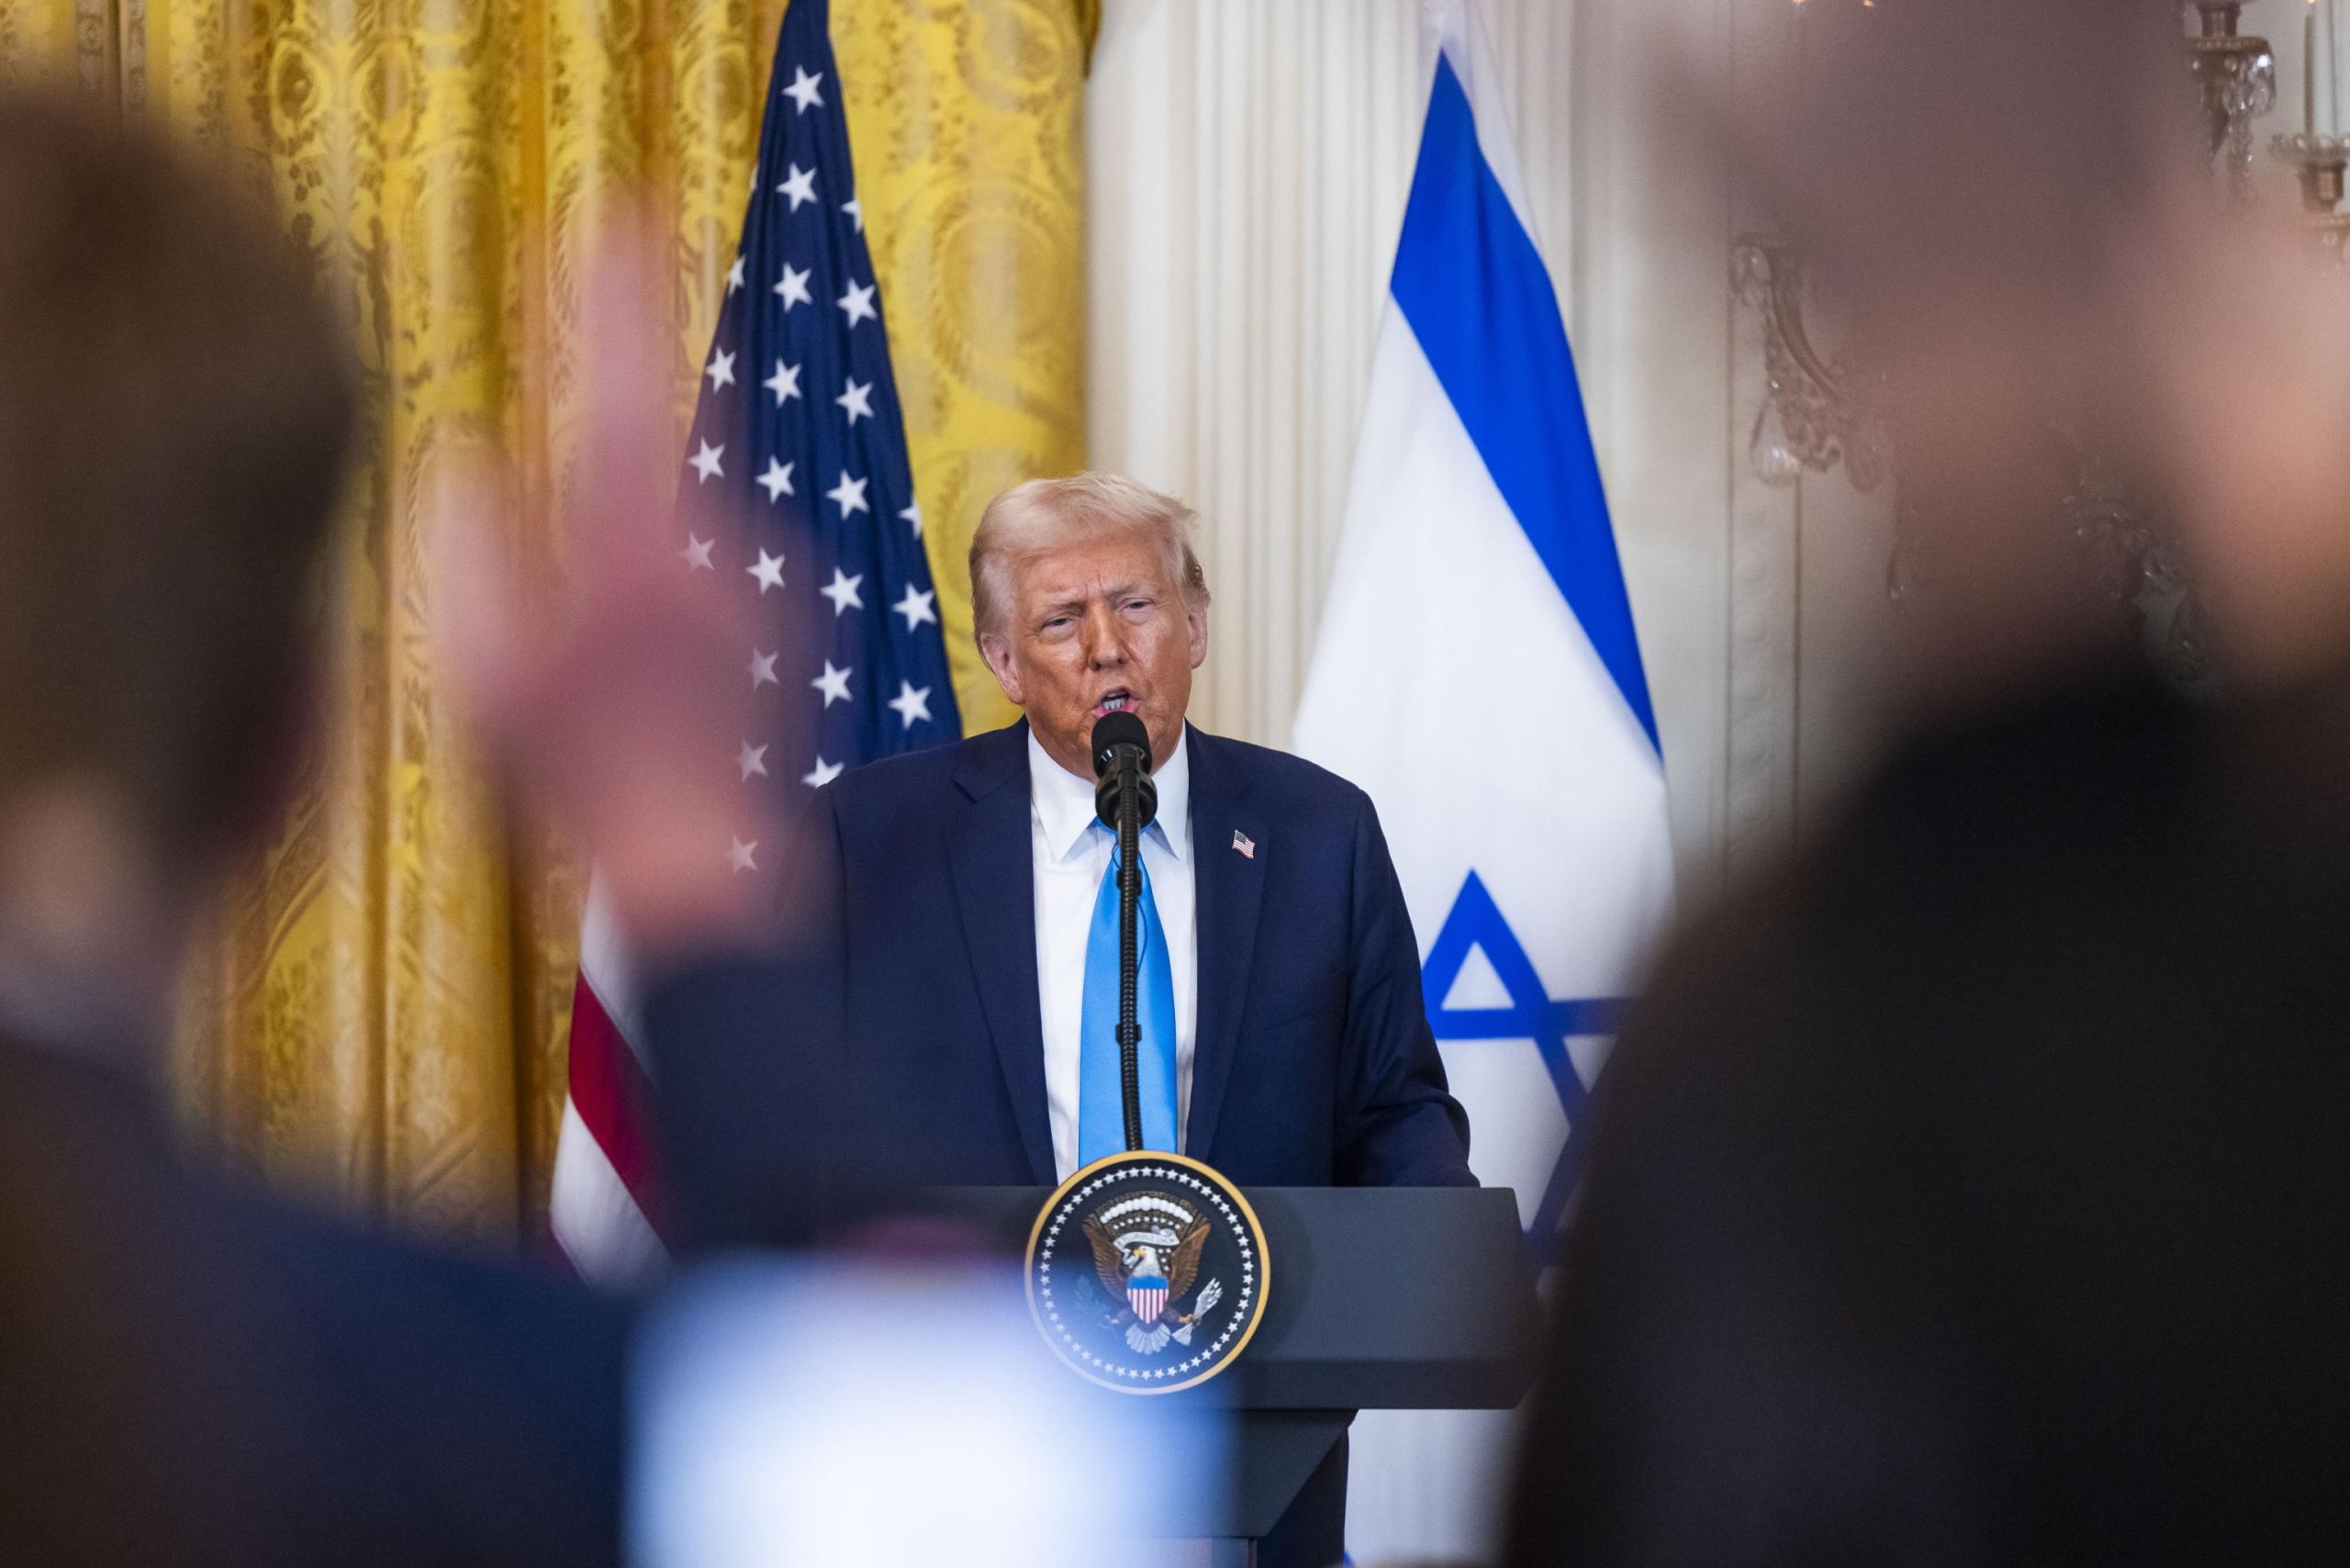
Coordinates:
[1973,1188]
[188,1375]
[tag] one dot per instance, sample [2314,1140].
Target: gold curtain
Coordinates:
[375,1014]
[963,120]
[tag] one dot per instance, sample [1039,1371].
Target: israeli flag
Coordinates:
[1478,674]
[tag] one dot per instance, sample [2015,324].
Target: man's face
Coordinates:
[1094,626]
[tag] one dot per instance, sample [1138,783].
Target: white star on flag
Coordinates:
[842,592]
[833,683]
[911,704]
[696,554]
[912,514]
[793,286]
[848,494]
[753,760]
[778,478]
[734,273]
[720,371]
[705,462]
[739,856]
[823,773]
[762,668]
[805,90]
[857,304]
[799,185]
[857,400]
[857,211]
[784,383]
[769,571]
[915,606]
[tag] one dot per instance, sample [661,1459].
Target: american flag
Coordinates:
[798,433]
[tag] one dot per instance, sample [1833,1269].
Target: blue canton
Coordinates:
[798,432]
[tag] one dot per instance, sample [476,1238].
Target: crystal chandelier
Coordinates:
[1823,410]
[2238,77]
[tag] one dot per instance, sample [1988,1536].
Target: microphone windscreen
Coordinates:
[1119,727]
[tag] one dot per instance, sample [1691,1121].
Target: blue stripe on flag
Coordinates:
[1473,285]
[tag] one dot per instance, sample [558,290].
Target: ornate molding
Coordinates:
[1762,610]
[1819,410]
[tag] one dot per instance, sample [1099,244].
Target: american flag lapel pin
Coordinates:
[1243,842]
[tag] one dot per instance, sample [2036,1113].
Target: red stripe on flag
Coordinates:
[613,1096]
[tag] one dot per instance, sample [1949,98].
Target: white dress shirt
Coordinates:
[1073,854]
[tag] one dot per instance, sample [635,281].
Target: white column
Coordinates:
[1248,162]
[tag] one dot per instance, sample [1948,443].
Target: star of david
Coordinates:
[1476,922]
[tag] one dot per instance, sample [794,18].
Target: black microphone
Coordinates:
[1125,800]
[1122,762]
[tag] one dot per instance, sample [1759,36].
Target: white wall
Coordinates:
[1248,160]
[1247,165]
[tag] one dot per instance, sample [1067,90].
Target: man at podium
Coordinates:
[949,1019]
[960,932]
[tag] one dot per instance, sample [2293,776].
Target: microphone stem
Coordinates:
[1129,900]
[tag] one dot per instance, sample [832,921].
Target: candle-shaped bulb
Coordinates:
[2309,70]
[2332,67]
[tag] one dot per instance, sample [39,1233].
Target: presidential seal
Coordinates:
[1146,1272]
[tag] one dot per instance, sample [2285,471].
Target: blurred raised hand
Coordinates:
[616,688]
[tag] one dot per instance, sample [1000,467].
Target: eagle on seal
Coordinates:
[1179,1265]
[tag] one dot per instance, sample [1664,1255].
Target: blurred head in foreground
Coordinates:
[189,1375]
[2052,298]
[1971,1190]
[175,413]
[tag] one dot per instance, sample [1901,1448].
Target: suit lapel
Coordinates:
[1230,886]
[989,850]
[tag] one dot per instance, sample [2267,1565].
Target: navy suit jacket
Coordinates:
[194,1378]
[917,978]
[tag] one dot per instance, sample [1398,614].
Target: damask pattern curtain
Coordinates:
[375,1013]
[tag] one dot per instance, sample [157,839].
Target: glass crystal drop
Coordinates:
[1775,461]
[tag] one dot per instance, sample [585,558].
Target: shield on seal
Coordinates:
[1147,1296]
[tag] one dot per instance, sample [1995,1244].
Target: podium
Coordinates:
[1380,1298]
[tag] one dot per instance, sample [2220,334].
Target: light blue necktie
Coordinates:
[1101,1098]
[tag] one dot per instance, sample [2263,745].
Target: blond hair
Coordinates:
[1029,519]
